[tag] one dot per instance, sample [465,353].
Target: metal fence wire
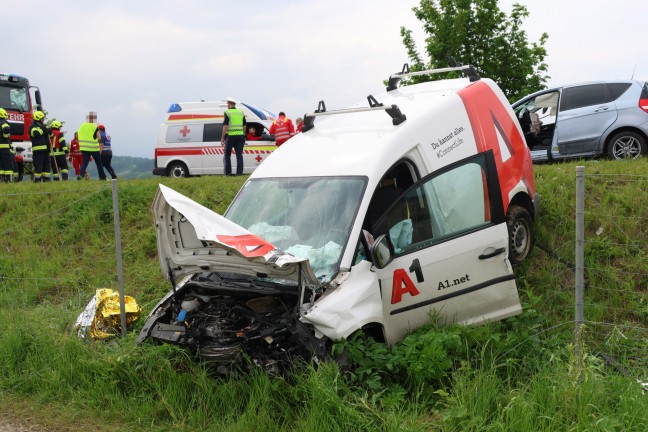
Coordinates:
[611,277]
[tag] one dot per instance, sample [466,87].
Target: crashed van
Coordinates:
[375,218]
[189,139]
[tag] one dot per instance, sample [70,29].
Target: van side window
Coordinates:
[441,207]
[212,132]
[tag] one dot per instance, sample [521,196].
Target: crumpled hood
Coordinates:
[191,239]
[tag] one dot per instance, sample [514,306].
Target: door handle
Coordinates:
[603,108]
[492,254]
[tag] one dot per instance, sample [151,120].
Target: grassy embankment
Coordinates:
[522,374]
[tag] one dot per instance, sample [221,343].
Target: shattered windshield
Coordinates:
[306,217]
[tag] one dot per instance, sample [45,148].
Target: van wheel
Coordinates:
[521,235]
[626,145]
[177,170]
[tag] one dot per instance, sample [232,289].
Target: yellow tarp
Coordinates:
[101,319]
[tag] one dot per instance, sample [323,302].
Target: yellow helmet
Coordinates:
[56,124]
[39,115]
[3,113]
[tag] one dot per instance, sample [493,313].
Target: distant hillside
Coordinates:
[127,167]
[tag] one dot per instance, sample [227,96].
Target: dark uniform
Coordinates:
[6,155]
[40,147]
[59,151]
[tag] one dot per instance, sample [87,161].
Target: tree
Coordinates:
[478,33]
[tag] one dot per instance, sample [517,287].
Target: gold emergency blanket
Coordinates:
[101,318]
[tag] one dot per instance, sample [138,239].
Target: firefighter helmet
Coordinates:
[3,113]
[39,115]
[56,124]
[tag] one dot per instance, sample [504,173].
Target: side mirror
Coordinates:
[382,251]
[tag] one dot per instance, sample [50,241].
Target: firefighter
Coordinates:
[282,129]
[40,147]
[59,150]
[234,129]
[6,156]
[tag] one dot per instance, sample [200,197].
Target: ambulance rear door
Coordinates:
[449,239]
[183,144]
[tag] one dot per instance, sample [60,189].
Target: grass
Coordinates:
[521,374]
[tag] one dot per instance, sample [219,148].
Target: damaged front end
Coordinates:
[240,299]
[232,321]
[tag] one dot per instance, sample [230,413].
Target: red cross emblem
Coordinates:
[258,158]
[184,131]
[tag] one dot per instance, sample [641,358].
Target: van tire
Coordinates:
[177,170]
[521,234]
[626,145]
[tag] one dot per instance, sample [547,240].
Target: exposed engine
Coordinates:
[237,325]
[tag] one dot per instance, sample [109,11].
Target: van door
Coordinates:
[451,251]
[212,159]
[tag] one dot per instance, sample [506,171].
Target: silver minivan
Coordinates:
[586,120]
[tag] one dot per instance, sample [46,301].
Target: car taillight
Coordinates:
[643,104]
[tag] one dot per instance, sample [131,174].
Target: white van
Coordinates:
[375,218]
[189,140]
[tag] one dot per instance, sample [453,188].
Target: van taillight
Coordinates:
[643,104]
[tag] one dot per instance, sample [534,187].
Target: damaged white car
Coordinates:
[346,228]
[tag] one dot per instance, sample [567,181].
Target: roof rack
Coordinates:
[468,71]
[394,112]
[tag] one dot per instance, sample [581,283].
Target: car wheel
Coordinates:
[626,145]
[521,234]
[178,170]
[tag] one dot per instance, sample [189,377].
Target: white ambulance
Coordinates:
[189,140]
[378,218]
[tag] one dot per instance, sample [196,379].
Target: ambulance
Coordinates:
[410,207]
[189,140]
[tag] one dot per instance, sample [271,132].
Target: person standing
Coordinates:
[234,128]
[6,155]
[282,129]
[90,145]
[59,150]
[40,148]
[75,156]
[106,151]
[300,125]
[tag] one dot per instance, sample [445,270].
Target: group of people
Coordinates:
[235,133]
[51,152]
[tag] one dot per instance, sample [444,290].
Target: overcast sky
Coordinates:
[129,60]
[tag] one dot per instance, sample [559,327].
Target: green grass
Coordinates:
[522,374]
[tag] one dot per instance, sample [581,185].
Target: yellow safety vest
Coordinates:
[87,140]
[235,125]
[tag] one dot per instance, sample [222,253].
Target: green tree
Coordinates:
[477,32]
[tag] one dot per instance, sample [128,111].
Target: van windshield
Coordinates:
[307,217]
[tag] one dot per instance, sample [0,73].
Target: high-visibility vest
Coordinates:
[57,143]
[235,125]
[87,140]
[39,137]
[5,134]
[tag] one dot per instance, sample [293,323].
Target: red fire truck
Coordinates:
[15,98]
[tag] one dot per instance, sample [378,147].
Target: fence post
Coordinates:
[118,248]
[580,248]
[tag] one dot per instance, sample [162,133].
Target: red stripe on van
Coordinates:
[179,151]
[178,117]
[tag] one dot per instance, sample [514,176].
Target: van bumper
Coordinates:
[159,171]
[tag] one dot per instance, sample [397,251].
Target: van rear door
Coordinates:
[451,251]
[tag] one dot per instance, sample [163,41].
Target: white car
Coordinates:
[365,221]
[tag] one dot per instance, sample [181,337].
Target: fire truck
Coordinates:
[15,98]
